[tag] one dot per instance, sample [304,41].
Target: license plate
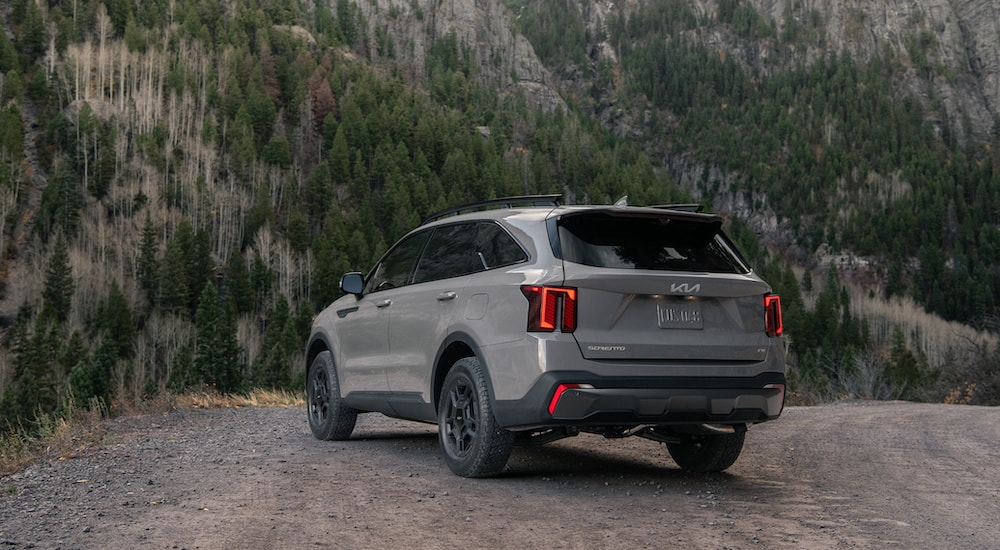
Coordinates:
[679,316]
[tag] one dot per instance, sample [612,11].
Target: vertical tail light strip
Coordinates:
[550,308]
[772,315]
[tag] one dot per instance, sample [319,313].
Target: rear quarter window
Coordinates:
[654,242]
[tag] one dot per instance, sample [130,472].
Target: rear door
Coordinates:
[454,259]
[663,286]
[420,320]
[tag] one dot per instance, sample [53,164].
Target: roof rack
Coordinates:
[682,207]
[506,202]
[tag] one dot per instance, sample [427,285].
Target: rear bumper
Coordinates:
[600,401]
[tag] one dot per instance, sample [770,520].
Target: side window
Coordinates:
[396,267]
[451,252]
[496,248]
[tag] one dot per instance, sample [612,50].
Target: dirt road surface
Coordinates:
[849,475]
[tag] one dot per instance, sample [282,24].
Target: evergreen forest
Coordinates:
[849,163]
[182,183]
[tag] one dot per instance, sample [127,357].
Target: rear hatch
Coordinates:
[660,285]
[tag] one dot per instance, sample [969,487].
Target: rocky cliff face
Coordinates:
[950,48]
[504,58]
[946,53]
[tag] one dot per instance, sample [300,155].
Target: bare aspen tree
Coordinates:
[103,32]
[263,243]
[934,337]
[71,71]
[248,336]
[145,359]
[87,62]
[51,55]
[284,266]
[230,205]
[124,64]
[149,92]
[276,178]
[22,289]
[121,156]
[102,224]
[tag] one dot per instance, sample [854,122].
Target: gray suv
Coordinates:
[522,320]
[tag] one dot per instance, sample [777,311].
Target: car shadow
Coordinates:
[587,457]
[619,464]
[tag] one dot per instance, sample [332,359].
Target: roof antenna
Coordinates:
[622,201]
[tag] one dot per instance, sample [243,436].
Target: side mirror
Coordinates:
[352,283]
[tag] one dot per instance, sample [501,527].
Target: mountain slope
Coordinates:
[214,167]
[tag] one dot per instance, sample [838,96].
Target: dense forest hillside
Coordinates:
[858,137]
[183,182]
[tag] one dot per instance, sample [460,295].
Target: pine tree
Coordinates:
[324,288]
[114,319]
[237,281]
[317,193]
[173,284]
[272,368]
[90,381]
[904,370]
[229,375]
[35,390]
[340,157]
[206,322]
[217,351]
[148,267]
[261,280]
[186,267]
[57,296]
[181,369]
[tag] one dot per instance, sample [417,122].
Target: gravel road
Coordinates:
[849,475]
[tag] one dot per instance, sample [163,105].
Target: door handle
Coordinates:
[384,303]
[445,296]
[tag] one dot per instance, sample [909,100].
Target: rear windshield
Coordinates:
[663,243]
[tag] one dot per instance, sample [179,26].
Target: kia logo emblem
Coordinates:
[685,288]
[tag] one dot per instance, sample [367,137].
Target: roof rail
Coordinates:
[682,207]
[506,202]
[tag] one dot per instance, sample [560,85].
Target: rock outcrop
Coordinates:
[504,59]
[950,48]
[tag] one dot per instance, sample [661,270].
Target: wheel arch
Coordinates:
[318,343]
[457,346]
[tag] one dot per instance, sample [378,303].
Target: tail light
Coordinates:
[772,315]
[550,308]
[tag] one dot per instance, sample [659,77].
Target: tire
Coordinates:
[707,453]
[473,443]
[329,417]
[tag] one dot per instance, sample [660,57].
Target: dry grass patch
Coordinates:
[256,398]
[56,438]
[66,437]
